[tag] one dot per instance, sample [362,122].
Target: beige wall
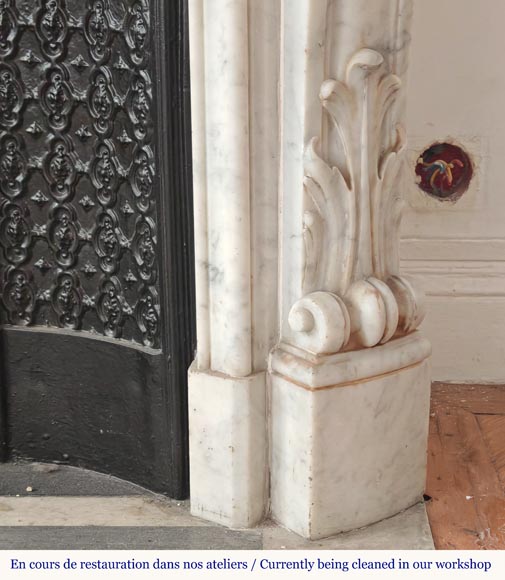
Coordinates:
[457,92]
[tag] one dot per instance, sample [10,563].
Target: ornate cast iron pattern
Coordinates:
[77,167]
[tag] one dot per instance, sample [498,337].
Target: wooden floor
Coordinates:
[466,467]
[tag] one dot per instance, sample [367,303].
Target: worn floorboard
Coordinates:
[478,399]
[493,431]
[466,467]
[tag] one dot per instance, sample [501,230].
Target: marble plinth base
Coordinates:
[349,436]
[228,448]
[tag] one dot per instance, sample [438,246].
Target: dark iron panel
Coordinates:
[95,203]
[78,177]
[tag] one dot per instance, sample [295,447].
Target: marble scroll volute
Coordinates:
[354,295]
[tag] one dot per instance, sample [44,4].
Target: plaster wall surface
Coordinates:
[456,250]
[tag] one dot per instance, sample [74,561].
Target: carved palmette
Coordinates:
[355,296]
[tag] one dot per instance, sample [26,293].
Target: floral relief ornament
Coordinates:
[148,317]
[13,166]
[139,105]
[60,169]
[57,99]
[104,173]
[15,233]
[46,56]
[63,235]
[102,101]
[67,300]
[11,97]
[52,27]
[142,177]
[112,307]
[138,30]
[8,27]
[18,296]
[144,249]
[107,242]
[98,30]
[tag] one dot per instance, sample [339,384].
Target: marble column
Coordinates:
[309,396]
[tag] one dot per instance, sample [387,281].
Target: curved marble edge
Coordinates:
[343,369]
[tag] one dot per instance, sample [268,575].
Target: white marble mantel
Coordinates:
[309,394]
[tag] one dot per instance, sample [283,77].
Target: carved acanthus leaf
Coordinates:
[352,215]
[329,234]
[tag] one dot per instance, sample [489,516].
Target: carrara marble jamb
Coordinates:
[350,377]
[298,142]
[234,60]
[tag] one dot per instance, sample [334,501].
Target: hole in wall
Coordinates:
[444,171]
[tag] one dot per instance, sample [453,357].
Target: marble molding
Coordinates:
[310,368]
